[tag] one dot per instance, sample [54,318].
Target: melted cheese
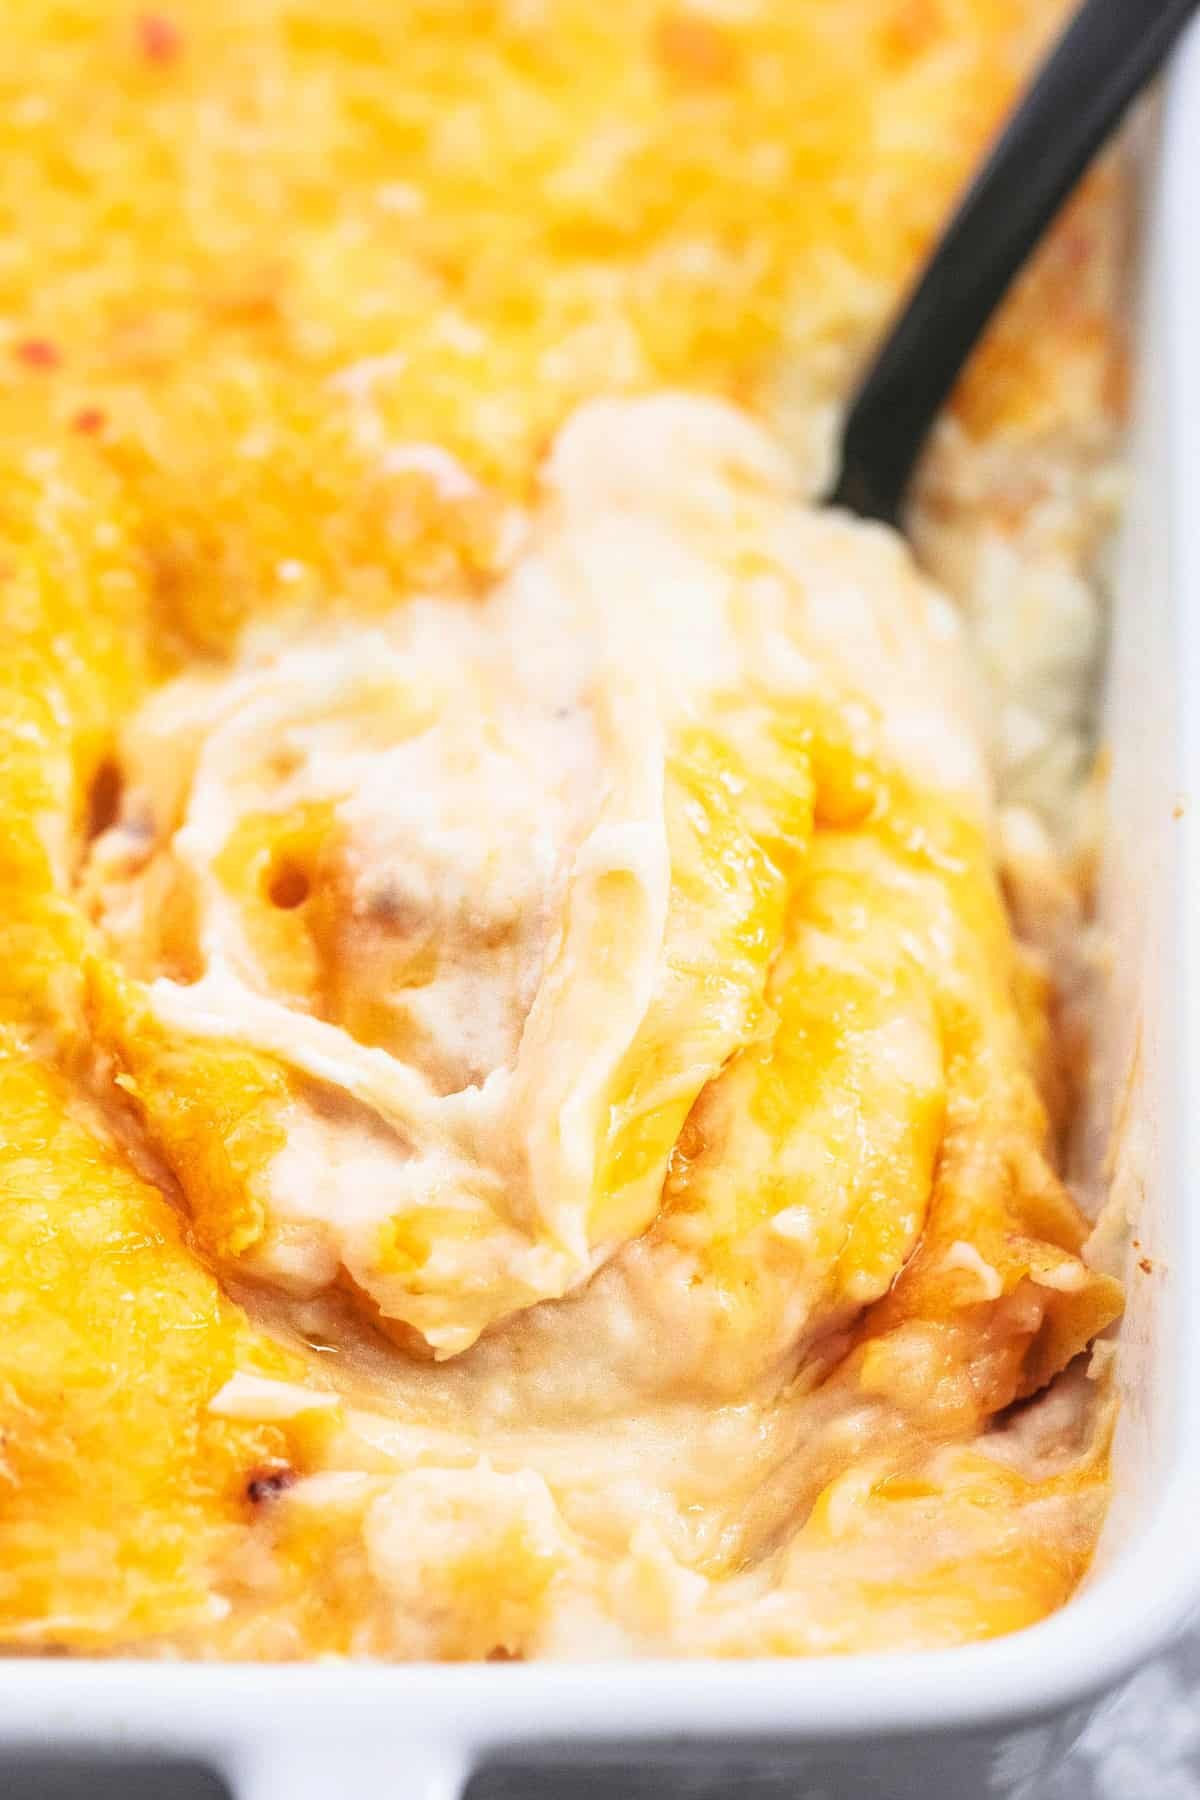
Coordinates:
[521,1129]
[506,882]
[574,938]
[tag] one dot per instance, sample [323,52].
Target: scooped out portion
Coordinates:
[469,906]
[583,1019]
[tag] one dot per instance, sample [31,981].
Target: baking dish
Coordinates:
[982,1719]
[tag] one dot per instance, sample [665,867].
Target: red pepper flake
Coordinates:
[1145,1265]
[267,1484]
[38,353]
[89,420]
[161,40]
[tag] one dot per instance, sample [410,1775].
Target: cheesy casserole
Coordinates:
[534,1033]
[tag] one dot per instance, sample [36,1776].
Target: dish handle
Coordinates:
[342,1768]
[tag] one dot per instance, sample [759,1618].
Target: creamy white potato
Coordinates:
[635,1032]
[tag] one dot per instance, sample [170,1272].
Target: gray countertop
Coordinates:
[1144,1744]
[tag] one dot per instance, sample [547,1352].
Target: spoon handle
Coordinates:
[1106,55]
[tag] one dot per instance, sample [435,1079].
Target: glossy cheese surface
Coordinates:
[522,1124]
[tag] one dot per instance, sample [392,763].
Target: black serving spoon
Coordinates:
[1104,58]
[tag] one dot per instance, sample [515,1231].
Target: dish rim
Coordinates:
[1124,1616]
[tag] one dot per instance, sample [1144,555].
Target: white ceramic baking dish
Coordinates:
[987,1719]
